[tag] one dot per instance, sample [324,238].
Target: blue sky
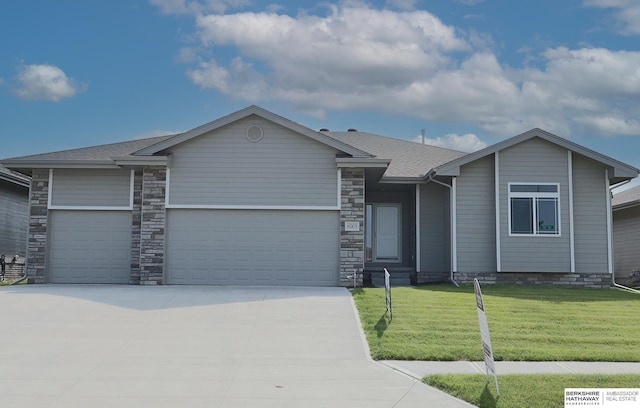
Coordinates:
[470,72]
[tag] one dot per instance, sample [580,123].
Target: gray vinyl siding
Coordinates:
[475,218]
[225,168]
[626,241]
[14,220]
[534,161]
[91,187]
[435,245]
[590,216]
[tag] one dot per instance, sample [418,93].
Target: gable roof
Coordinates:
[244,113]
[410,161]
[618,171]
[627,198]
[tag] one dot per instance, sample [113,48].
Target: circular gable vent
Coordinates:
[254,133]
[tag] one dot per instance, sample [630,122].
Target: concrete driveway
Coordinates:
[172,346]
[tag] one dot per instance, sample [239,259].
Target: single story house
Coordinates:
[626,236]
[253,198]
[14,213]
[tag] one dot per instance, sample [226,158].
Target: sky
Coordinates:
[76,73]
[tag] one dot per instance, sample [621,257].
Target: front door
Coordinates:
[383,236]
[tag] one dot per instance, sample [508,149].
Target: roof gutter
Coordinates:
[430,178]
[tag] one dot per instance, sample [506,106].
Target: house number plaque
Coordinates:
[351,226]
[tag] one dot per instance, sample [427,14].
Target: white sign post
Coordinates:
[484,333]
[387,292]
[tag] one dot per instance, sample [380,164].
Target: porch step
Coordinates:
[396,278]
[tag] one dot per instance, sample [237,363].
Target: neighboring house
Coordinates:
[255,199]
[14,213]
[626,236]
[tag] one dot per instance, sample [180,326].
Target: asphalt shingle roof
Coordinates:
[409,159]
[627,197]
[102,152]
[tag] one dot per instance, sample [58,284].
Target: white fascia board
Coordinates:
[61,164]
[89,208]
[256,207]
[20,181]
[624,172]
[362,162]
[402,180]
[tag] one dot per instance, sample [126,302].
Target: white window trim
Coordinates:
[555,195]
[90,207]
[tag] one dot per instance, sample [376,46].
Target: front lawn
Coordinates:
[531,391]
[440,322]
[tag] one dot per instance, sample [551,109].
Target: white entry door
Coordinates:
[387,232]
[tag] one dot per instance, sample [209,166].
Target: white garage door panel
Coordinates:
[234,247]
[90,247]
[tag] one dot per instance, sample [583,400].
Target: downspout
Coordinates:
[452,202]
[610,225]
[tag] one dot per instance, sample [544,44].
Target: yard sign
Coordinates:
[484,333]
[387,292]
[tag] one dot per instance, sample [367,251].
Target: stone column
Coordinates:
[352,242]
[152,228]
[38,221]
[136,223]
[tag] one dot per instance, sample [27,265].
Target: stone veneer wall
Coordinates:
[352,242]
[583,280]
[152,228]
[136,224]
[38,221]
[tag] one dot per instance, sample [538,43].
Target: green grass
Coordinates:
[8,282]
[531,391]
[440,322]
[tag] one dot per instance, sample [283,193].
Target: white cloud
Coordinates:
[610,124]
[410,63]
[626,13]
[464,143]
[45,82]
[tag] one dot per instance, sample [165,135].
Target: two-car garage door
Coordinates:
[218,247]
[252,247]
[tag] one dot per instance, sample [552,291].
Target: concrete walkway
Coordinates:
[419,369]
[171,346]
